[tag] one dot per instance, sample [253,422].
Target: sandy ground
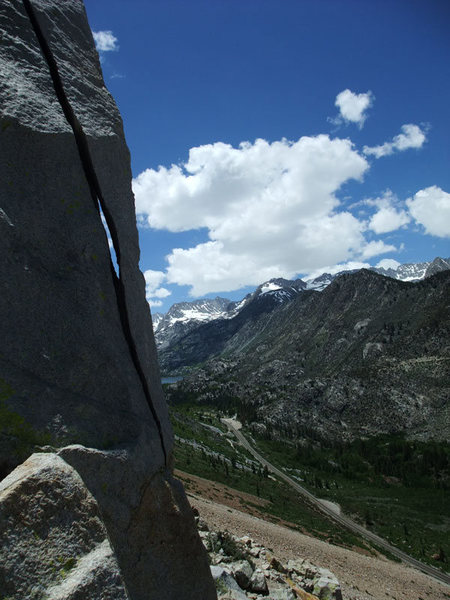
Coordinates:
[362,577]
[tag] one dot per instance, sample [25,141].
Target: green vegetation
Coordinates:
[221,403]
[393,486]
[66,565]
[221,588]
[396,487]
[413,463]
[203,452]
[228,545]
[63,565]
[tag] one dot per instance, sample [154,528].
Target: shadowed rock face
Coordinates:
[64,332]
[78,368]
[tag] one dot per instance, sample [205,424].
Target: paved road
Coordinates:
[343,520]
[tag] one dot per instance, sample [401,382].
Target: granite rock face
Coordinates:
[54,543]
[78,367]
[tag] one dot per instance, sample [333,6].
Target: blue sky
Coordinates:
[280,138]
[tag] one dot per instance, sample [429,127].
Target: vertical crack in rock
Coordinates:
[99,202]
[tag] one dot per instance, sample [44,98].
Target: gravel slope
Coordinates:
[361,577]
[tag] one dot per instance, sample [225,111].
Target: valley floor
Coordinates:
[362,577]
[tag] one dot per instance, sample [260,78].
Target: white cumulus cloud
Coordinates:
[412,136]
[388,263]
[105,41]
[388,219]
[270,209]
[389,216]
[352,107]
[153,280]
[375,248]
[431,208]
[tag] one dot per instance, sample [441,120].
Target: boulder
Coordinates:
[277,565]
[81,373]
[255,551]
[302,568]
[53,542]
[242,572]
[326,586]
[226,584]
[258,583]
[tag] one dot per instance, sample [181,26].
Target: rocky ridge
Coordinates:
[404,272]
[184,317]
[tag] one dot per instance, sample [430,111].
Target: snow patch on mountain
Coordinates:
[270,286]
[320,283]
[156,319]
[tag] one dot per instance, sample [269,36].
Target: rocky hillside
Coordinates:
[361,576]
[183,317]
[244,569]
[369,354]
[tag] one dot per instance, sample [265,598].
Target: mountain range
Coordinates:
[368,354]
[184,317]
